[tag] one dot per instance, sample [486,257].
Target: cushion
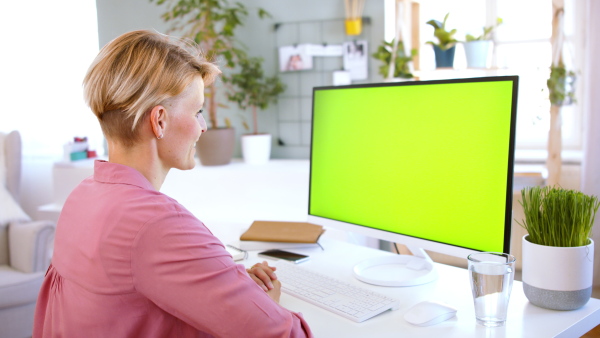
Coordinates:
[9,209]
[30,245]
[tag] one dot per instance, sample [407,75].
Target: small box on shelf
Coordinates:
[78,149]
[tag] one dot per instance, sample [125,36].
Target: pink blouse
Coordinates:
[131,262]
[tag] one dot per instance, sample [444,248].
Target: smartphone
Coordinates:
[286,255]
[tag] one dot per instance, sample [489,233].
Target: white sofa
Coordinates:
[25,247]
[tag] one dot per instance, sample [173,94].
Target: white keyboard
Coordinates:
[349,301]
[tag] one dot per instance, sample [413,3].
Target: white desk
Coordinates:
[452,287]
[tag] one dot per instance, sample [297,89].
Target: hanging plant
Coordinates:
[561,86]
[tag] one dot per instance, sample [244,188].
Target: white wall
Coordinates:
[116,17]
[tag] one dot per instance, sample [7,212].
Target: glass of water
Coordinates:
[491,276]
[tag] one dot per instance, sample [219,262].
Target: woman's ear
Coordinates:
[158,121]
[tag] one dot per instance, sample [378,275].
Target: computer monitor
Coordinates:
[428,164]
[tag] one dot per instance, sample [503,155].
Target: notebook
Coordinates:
[280,235]
[237,253]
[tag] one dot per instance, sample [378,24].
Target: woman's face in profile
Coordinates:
[184,128]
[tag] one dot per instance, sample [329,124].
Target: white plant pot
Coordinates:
[557,278]
[479,53]
[256,149]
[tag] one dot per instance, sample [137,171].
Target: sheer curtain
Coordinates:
[590,75]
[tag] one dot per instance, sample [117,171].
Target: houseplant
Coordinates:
[445,47]
[561,85]
[478,49]
[558,251]
[401,60]
[561,92]
[561,88]
[212,25]
[250,88]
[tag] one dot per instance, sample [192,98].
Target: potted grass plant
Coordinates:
[445,47]
[558,252]
[251,89]
[478,49]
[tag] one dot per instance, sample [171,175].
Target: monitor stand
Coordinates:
[397,270]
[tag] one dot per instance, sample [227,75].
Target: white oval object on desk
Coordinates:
[557,278]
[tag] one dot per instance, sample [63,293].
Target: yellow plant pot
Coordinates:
[354,26]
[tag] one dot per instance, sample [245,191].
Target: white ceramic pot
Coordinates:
[557,278]
[479,53]
[256,149]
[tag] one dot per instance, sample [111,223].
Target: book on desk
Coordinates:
[265,235]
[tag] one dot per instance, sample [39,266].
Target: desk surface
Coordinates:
[228,198]
[452,287]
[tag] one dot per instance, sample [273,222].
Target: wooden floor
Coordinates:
[594,333]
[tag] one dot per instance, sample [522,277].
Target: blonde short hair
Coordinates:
[137,71]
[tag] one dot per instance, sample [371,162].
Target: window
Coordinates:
[46,50]
[522,47]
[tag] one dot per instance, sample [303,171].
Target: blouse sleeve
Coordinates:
[182,268]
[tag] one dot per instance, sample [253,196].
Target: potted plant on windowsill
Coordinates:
[212,24]
[445,48]
[478,49]
[401,60]
[250,88]
[558,252]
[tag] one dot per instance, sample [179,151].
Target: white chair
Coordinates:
[25,247]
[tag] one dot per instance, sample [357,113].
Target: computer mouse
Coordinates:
[429,313]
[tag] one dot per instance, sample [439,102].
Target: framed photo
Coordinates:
[293,58]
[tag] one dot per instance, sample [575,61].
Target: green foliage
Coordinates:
[487,32]
[210,23]
[401,61]
[561,86]
[558,217]
[250,88]
[445,37]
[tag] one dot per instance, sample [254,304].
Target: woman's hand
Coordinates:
[264,275]
[275,292]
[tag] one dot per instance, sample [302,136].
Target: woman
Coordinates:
[128,260]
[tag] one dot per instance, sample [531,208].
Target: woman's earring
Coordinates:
[161,136]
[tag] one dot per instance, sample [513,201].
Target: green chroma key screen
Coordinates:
[429,159]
